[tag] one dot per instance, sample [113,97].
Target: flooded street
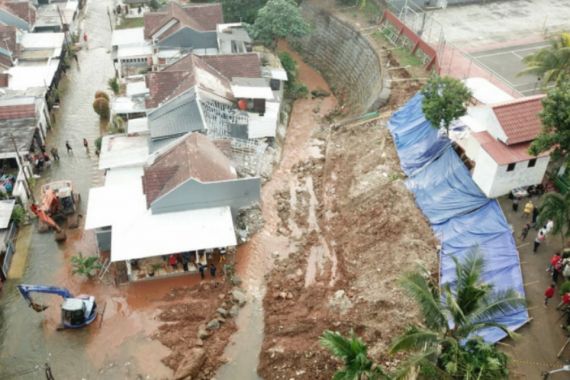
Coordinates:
[29,339]
[254,259]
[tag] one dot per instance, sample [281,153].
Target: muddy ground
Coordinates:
[357,229]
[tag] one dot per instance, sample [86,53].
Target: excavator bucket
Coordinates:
[37,307]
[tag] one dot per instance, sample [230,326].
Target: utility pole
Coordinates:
[29,190]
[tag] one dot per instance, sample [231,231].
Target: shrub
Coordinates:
[297,91]
[102,94]
[85,266]
[18,215]
[102,108]
[564,288]
[289,65]
[114,85]
[98,141]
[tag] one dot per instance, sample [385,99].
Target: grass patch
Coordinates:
[126,23]
[403,55]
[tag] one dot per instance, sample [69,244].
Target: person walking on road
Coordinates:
[548,294]
[524,232]
[534,216]
[86,145]
[85,39]
[540,236]
[54,153]
[516,204]
[201,268]
[212,270]
[68,147]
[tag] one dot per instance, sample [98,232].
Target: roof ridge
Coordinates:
[517,101]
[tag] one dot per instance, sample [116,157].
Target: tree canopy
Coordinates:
[241,10]
[555,118]
[556,207]
[446,346]
[551,64]
[278,19]
[445,100]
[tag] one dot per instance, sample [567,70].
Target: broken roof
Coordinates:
[192,157]
[202,17]
[519,118]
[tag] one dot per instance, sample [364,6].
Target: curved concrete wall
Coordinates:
[345,58]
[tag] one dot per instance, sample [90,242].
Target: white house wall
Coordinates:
[521,176]
[485,172]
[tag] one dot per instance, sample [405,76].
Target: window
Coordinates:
[511,167]
[532,163]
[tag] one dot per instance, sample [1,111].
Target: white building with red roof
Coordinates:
[496,137]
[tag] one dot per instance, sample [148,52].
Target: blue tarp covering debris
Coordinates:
[461,216]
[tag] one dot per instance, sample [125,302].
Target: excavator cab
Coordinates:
[73,312]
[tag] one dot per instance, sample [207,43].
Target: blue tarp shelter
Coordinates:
[460,215]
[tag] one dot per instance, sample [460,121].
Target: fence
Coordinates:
[10,248]
[423,35]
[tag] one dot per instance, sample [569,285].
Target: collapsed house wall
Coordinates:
[346,59]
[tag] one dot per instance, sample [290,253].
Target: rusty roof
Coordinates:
[23,9]
[519,118]
[182,75]
[236,65]
[200,17]
[504,154]
[20,111]
[192,157]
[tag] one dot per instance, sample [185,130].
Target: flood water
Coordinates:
[255,259]
[29,339]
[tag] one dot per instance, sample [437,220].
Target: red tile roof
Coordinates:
[23,9]
[200,17]
[181,76]
[8,39]
[519,118]
[23,111]
[193,156]
[504,154]
[4,80]
[236,65]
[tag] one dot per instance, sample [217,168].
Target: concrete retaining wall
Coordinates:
[345,58]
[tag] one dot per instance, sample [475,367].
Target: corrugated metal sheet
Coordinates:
[178,116]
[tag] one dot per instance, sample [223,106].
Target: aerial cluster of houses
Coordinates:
[200,106]
[34,36]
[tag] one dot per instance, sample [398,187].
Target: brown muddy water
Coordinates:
[254,259]
[120,348]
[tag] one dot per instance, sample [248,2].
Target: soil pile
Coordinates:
[358,229]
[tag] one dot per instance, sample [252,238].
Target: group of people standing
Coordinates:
[531,212]
[43,160]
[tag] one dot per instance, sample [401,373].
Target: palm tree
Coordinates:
[556,207]
[451,319]
[354,352]
[85,266]
[552,64]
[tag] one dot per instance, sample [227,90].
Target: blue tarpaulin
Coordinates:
[461,216]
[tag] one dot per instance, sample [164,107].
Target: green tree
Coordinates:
[242,10]
[114,85]
[278,19]
[85,266]
[354,352]
[444,100]
[551,64]
[555,116]
[556,207]
[445,346]
[155,5]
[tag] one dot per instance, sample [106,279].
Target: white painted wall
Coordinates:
[485,171]
[495,180]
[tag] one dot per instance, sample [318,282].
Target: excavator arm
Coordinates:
[44,217]
[26,290]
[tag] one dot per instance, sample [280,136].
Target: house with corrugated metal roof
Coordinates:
[182,200]
[494,139]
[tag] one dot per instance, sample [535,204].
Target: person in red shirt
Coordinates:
[565,301]
[548,294]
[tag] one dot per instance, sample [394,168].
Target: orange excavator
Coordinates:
[59,203]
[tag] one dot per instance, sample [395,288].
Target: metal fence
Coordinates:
[10,248]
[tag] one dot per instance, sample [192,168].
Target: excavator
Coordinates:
[76,312]
[59,202]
